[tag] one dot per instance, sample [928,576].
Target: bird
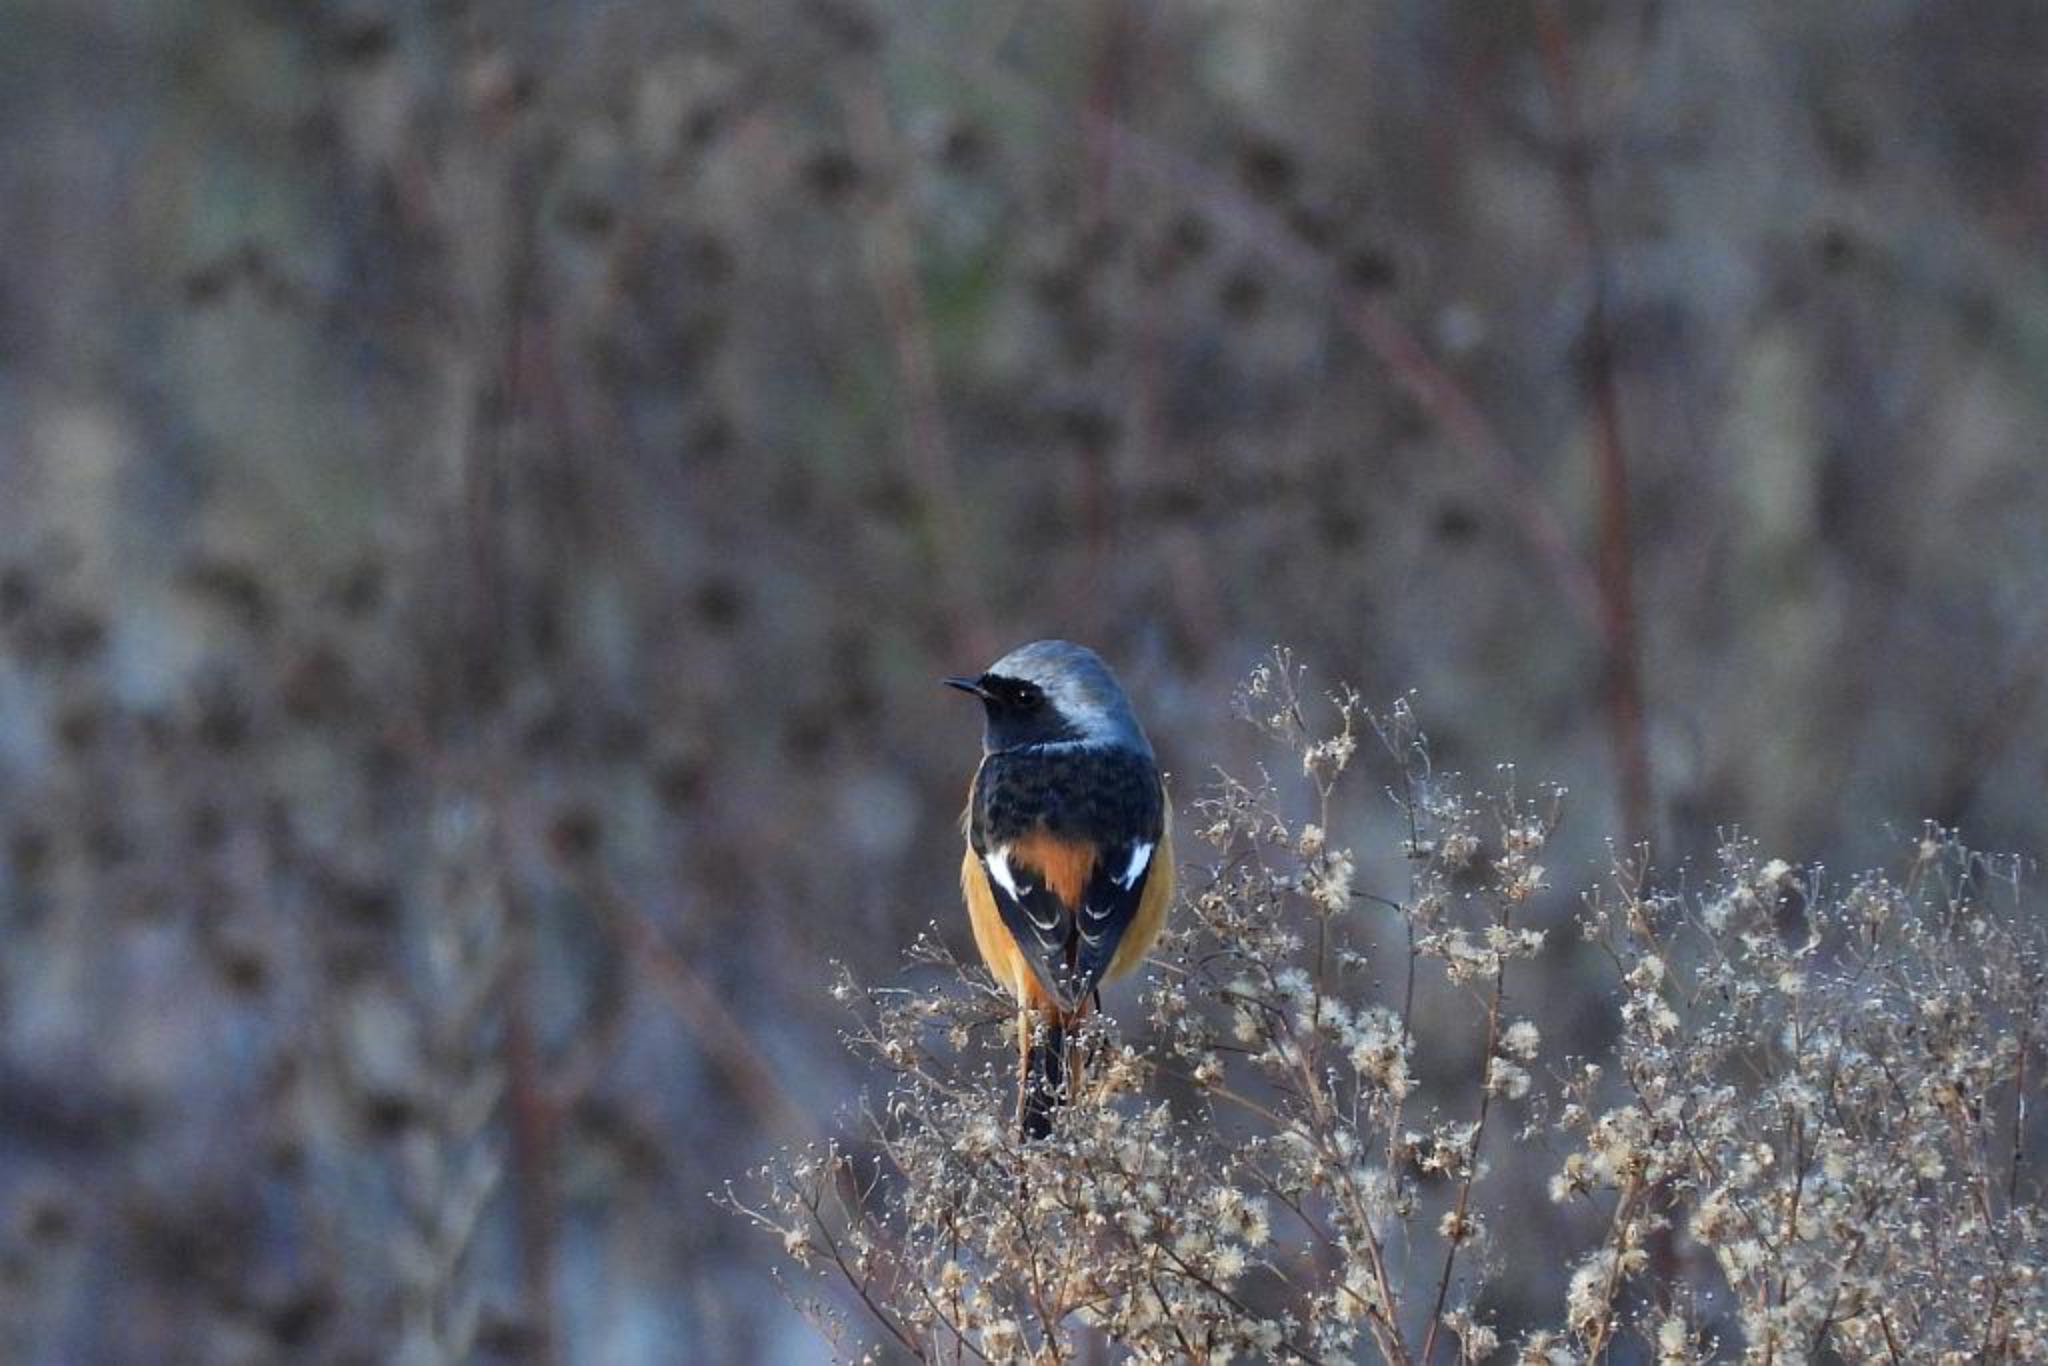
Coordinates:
[1068,871]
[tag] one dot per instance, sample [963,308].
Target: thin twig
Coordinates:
[1458,1233]
[1615,573]
[728,1046]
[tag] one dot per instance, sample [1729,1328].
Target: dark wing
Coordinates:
[1038,919]
[1067,838]
[1122,872]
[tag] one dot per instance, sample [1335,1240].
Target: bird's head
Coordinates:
[1053,691]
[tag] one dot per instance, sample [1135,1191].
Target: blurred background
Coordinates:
[487,491]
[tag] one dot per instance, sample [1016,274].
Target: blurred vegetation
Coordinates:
[486,492]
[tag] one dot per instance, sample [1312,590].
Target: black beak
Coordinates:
[972,685]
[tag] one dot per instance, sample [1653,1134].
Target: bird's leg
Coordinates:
[1091,1063]
[1023,1060]
[1081,1056]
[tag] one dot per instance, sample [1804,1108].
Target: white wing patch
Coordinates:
[998,861]
[1141,855]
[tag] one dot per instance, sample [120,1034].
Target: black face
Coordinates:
[1019,712]
[1015,697]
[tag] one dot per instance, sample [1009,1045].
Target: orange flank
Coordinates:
[1151,915]
[1006,962]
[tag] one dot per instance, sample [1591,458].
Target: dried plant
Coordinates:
[614,416]
[450,1168]
[1816,1096]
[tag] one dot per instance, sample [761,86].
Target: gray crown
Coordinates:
[1076,680]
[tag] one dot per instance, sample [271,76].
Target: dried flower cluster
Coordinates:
[1809,1138]
[1829,1085]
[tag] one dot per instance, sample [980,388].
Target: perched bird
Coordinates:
[1069,864]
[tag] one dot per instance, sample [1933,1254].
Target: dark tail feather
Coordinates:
[1045,1079]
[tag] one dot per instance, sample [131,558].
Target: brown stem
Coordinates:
[860,1284]
[2019,1114]
[892,263]
[1443,1284]
[728,1046]
[531,1115]
[1615,566]
[1614,563]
